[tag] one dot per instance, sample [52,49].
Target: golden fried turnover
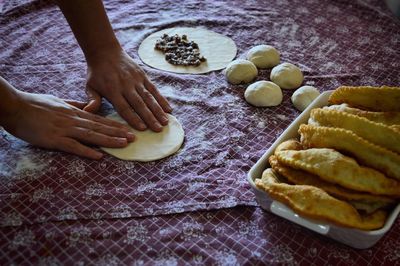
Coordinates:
[334,167]
[387,118]
[291,144]
[365,152]
[314,203]
[361,201]
[371,131]
[382,98]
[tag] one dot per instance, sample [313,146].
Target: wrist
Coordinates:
[102,52]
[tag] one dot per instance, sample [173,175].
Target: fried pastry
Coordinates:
[365,152]
[361,201]
[334,167]
[291,144]
[387,118]
[314,203]
[371,131]
[382,98]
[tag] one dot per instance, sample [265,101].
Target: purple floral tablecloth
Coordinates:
[195,206]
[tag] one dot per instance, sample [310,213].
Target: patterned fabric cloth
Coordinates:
[59,208]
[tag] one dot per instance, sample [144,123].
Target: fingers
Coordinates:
[105,129]
[90,136]
[143,111]
[94,101]
[74,147]
[159,98]
[153,105]
[128,114]
[101,120]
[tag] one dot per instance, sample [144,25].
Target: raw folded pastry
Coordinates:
[387,118]
[315,203]
[334,167]
[362,201]
[387,137]
[365,152]
[382,98]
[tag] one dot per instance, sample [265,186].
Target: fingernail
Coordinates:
[122,141]
[130,136]
[98,155]
[158,126]
[164,119]
[142,126]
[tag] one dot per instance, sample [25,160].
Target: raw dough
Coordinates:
[149,145]
[218,49]
[263,94]
[287,76]
[303,96]
[264,56]
[240,71]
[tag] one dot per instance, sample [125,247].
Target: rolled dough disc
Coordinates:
[218,49]
[148,145]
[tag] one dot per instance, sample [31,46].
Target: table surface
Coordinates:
[194,207]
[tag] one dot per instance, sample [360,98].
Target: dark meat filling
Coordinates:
[179,50]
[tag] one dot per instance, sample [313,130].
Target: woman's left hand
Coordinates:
[116,77]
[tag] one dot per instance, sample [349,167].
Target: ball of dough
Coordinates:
[287,76]
[264,56]
[263,94]
[240,71]
[303,96]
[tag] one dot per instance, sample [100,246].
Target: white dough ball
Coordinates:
[264,56]
[240,71]
[303,96]
[287,76]
[263,94]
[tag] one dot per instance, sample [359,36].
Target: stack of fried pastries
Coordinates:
[345,167]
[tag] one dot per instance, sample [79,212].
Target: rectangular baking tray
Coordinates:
[352,237]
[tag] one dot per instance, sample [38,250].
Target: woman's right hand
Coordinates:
[49,122]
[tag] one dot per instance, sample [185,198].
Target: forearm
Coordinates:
[91,27]
[9,99]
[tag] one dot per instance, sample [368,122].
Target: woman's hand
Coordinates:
[49,122]
[115,76]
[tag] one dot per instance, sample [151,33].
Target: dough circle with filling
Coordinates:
[148,145]
[218,49]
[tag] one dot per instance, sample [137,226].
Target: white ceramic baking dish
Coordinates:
[352,237]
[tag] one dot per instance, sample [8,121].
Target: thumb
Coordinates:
[94,101]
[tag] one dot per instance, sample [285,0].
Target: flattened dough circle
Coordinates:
[218,49]
[148,145]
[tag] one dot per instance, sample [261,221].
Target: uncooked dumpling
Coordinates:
[303,96]
[263,94]
[149,145]
[264,56]
[240,71]
[287,76]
